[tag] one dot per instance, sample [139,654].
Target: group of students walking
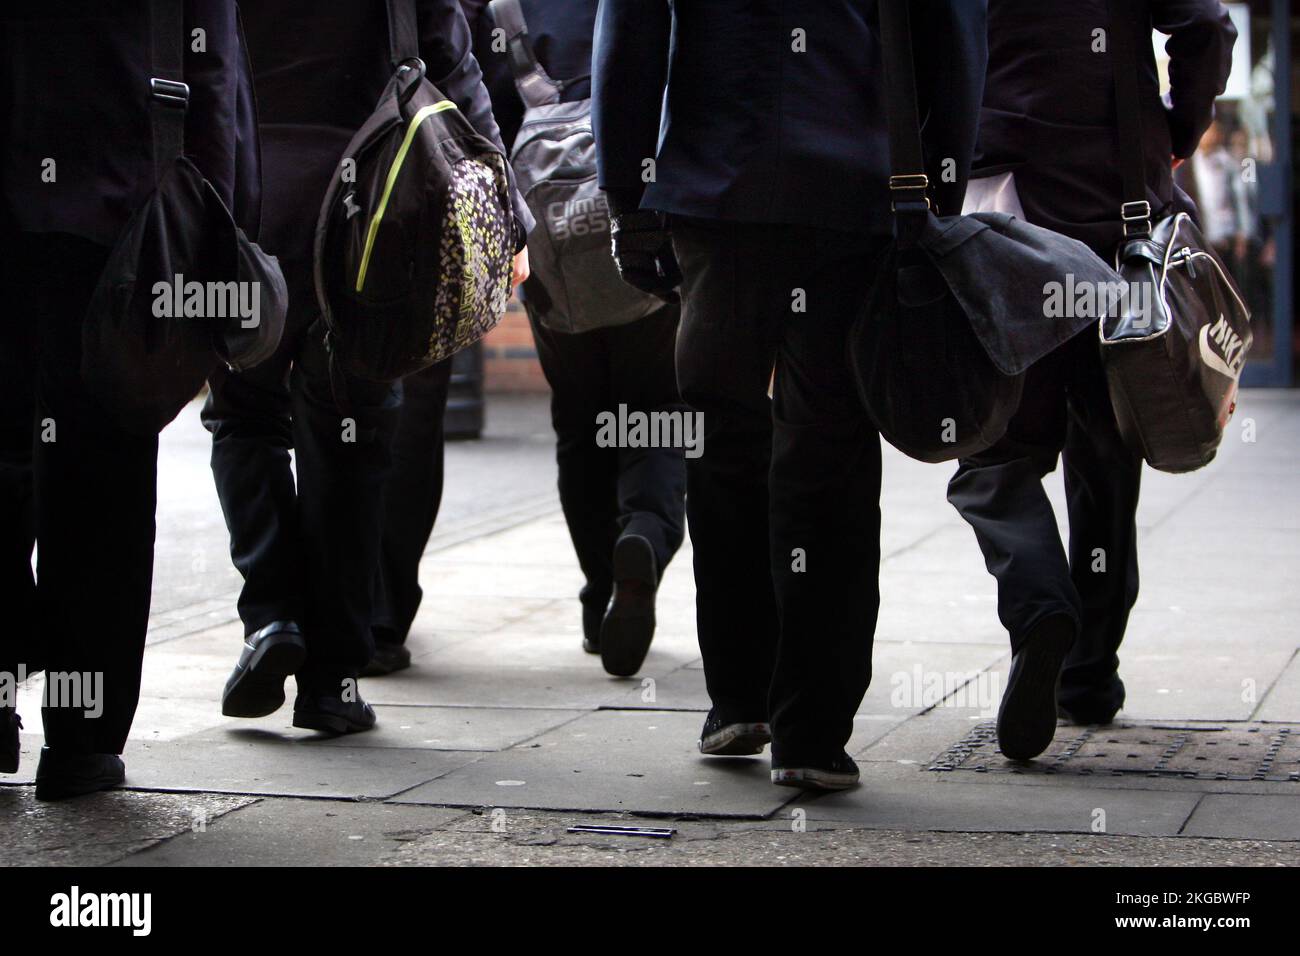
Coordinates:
[741,147]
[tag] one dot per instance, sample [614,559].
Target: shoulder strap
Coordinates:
[1124,31]
[535,86]
[908,182]
[169,96]
[403,31]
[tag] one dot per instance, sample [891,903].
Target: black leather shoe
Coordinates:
[389,658]
[1027,715]
[629,624]
[256,686]
[332,715]
[841,773]
[727,738]
[62,775]
[10,748]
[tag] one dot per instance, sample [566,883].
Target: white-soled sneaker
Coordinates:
[841,774]
[736,739]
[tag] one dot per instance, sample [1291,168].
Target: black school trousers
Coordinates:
[784,504]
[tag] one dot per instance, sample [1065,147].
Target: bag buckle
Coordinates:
[170,92]
[1137,218]
[907,183]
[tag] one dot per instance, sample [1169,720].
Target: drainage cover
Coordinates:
[1205,752]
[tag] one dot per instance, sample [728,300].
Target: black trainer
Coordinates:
[1027,715]
[389,658]
[256,686]
[724,738]
[840,773]
[330,714]
[10,746]
[629,624]
[62,775]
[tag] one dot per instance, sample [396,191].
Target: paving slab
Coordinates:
[466,684]
[426,728]
[938,804]
[99,828]
[1179,664]
[524,645]
[1264,817]
[280,832]
[443,611]
[257,762]
[642,761]
[1282,700]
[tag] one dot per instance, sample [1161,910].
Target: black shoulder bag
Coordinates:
[184,288]
[1174,349]
[958,308]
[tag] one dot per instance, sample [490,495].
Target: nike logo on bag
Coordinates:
[1229,363]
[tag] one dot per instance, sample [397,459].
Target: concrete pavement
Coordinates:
[504,732]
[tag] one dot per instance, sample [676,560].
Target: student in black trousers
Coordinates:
[310,552]
[412,496]
[771,169]
[1049,121]
[624,507]
[72,482]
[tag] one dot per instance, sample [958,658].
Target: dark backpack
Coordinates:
[575,285]
[415,240]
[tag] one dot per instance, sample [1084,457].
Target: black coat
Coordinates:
[74,87]
[755,131]
[560,32]
[320,69]
[1049,106]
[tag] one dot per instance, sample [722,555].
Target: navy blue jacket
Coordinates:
[1049,105]
[320,69]
[560,32]
[752,130]
[74,87]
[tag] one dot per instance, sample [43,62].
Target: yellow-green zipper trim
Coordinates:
[393,170]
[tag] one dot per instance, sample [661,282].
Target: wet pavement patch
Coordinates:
[1239,752]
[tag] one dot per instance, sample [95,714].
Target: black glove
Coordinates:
[643,252]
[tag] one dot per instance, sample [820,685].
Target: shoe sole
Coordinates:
[808,778]
[1027,715]
[737,740]
[629,628]
[257,689]
[329,723]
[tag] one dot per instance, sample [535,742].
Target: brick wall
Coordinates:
[510,357]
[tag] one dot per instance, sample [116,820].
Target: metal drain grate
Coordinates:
[1239,752]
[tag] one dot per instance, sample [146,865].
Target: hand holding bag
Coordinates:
[148,342]
[958,308]
[1174,350]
